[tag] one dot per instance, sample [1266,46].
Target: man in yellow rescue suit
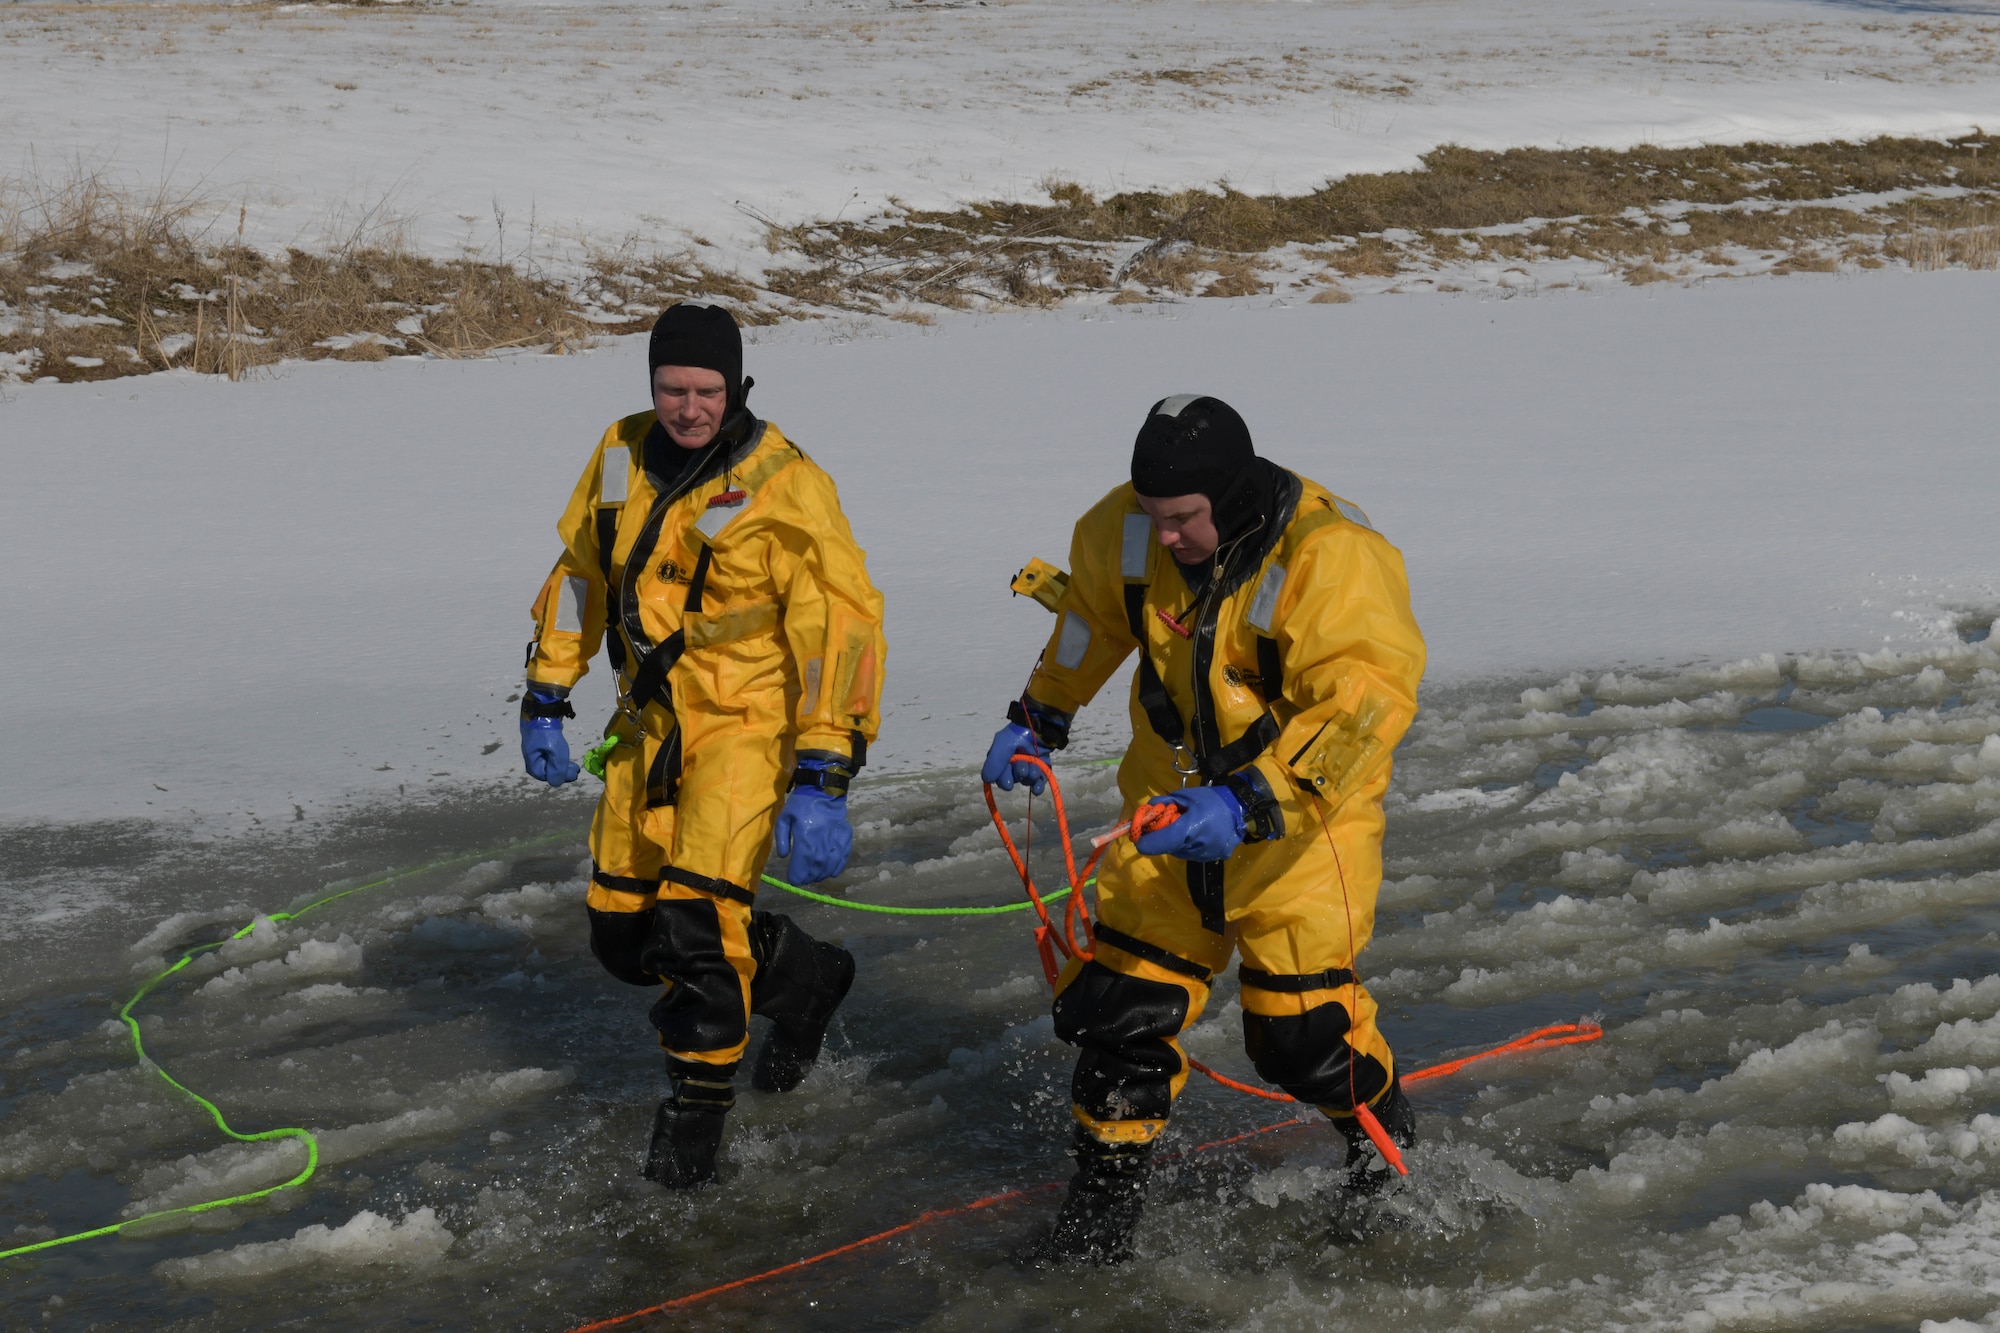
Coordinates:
[1278,667]
[711,558]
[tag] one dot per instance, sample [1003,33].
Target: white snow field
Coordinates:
[277,594]
[599,119]
[1709,750]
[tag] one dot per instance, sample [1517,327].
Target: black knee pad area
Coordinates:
[1308,1056]
[1123,1023]
[615,941]
[703,1011]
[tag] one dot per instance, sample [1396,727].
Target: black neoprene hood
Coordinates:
[1192,444]
[704,336]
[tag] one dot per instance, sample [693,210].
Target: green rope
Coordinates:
[215,1114]
[306,1136]
[832,901]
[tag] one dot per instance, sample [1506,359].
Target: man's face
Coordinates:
[689,401]
[1186,524]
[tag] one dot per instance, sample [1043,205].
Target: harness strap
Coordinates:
[623,883]
[715,888]
[1152,953]
[663,776]
[607,540]
[1204,881]
[649,682]
[1135,611]
[1270,670]
[1166,720]
[1288,983]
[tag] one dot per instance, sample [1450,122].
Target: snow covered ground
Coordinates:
[283,592]
[603,119]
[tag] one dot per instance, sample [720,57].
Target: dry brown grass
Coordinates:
[1591,204]
[97,283]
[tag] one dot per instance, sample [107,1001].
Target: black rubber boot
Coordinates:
[687,1132]
[1356,1216]
[1101,1211]
[800,982]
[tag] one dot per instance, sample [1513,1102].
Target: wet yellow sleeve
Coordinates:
[569,610]
[1353,657]
[833,614]
[1091,635]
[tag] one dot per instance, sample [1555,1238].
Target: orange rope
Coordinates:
[1068,939]
[1562,1034]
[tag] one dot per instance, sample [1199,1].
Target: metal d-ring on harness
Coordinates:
[626,633]
[1206,758]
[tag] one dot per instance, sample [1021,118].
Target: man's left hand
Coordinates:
[813,831]
[1209,829]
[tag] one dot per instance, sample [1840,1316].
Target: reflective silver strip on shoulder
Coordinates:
[611,485]
[1352,513]
[1265,604]
[1171,407]
[1074,643]
[570,597]
[1137,546]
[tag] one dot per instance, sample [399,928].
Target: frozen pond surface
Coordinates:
[1776,883]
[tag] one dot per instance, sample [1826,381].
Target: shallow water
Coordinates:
[1777,884]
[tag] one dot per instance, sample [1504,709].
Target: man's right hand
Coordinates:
[1003,770]
[544,752]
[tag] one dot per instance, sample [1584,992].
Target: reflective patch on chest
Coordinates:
[612,482]
[1138,545]
[1264,605]
[1074,641]
[1352,513]
[720,511]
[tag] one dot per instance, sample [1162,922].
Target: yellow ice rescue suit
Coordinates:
[1297,669]
[744,630]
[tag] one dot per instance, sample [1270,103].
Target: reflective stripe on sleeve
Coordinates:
[1352,513]
[1265,604]
[569,604]
[1074,643]
[611,485]
[1137,546]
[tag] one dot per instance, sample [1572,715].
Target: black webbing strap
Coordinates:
[607,537]
[1284,983]
[1152,953]
[663,777]
[623,883]
[1204,880]
[1270,670]
[607,540]
[1135,611]
[1166,720]
[715,888]
[649,682]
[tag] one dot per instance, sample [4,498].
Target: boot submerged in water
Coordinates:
[1102,1208]
[1358,1214]
[687,1133]
[800,982]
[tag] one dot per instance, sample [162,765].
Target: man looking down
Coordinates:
[748,645]
[1278,668]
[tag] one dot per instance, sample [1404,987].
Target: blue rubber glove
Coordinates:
[543,749]
[813,831]
[1209,829]
[1002,772]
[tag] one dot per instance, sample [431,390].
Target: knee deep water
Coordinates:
[1776,883]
